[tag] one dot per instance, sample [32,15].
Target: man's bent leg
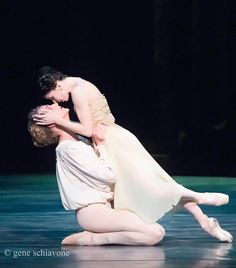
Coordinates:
[108,226]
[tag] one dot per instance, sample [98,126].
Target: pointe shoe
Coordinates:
[212,226]
[214,199]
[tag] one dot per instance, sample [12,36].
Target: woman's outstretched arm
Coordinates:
[85,126]
[81,106]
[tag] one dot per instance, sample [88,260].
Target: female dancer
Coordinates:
[139,175]
[85,181]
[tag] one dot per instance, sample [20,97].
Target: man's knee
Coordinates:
[155,235]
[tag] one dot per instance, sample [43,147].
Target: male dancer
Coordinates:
[85,178]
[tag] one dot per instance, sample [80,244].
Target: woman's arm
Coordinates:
[81,106]
[85,126]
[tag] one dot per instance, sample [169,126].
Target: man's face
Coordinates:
[59,94]
[60,111]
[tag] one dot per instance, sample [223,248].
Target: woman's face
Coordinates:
[59,94]
[60,111]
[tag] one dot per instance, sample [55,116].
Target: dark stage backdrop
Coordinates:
[166,67]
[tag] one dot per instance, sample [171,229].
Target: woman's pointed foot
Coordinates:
[212,226]
[213,199]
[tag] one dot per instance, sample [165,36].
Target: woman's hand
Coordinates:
[46,117]
[99,132]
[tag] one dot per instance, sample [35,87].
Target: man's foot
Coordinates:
[213,199]
[212,226]
[76,239]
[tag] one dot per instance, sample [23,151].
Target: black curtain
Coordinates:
[194,63]
[166,67]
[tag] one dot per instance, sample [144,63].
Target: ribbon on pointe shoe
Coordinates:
[212,226]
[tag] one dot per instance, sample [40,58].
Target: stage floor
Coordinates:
[33,222]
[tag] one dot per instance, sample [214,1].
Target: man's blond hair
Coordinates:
[41,135]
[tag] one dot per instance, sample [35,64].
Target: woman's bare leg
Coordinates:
[195,210]
[107,226]
[210,225]
[215,199]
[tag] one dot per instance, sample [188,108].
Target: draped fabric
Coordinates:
[142,186]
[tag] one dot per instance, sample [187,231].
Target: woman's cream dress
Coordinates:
[142,187]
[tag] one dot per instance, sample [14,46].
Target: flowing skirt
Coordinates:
[142,186]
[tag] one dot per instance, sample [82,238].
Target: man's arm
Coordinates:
[84,163]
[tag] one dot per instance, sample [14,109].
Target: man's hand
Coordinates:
[99,132]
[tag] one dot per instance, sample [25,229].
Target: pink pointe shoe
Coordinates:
[212,226]
[214,199]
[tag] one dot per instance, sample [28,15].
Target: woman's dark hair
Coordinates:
[48,78]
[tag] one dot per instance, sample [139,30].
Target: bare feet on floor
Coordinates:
[213,199]
[78,239]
